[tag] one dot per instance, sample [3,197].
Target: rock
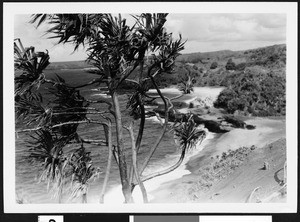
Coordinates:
[180,105]
[250,127]
[234,121]
[173,114]
[266,166]
[211,125]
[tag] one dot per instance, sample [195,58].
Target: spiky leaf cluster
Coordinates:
[68,106]
[137,99]
[46,149]
[187,133]
[82,172]
[186,85]
[31,64]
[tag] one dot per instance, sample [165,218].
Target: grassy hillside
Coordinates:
[199,65]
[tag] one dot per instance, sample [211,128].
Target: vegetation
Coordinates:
[220,167]
[82,173]
[53,109]
[230,65]
[256,94]
[214,65]
[186,85]
[255,81]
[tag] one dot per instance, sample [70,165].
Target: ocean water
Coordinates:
[27,186]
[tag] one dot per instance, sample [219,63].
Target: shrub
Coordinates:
[230,65]
[214,65]
[241,66]
[224,97]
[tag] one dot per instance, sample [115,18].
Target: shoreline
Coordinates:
[115,195]
[168,192]
[161,187]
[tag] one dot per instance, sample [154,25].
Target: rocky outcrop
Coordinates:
[221,125]
[211,125]
[234,121]
[237,123]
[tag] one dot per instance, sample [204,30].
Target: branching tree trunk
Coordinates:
[116,50]
[134,163]
[165,171]
[139,137]
[120,149]
[154,147]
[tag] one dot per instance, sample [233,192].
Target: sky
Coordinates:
[203,32]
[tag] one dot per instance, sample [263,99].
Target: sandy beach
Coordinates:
[180,190]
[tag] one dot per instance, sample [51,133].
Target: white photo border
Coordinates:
[12,9]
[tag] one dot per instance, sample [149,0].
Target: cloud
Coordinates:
[30,35]
[204,32]
[219,31]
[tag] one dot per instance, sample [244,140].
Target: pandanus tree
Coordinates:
[186,85]
[118,51]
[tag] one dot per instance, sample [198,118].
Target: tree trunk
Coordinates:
[134,164]
[84,198]
[139,138]
[152,150]
[126,189]
[160,173]
[110,154]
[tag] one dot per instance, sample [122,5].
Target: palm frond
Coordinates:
[32,65]
[187,133]
[46,149]
[83,172]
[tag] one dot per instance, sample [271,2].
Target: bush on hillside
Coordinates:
[230,65]
[241,66]
[214,65]
[257,94]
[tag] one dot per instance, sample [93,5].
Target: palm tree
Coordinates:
[46,150]
[117,50]
[186,85]
[31,64]
[188,134]
[82,173]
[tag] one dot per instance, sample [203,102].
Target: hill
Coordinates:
[242,179]
[248,55]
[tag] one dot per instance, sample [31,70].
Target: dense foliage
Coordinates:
[256,94]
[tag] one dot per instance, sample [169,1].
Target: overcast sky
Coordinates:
[204,32]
